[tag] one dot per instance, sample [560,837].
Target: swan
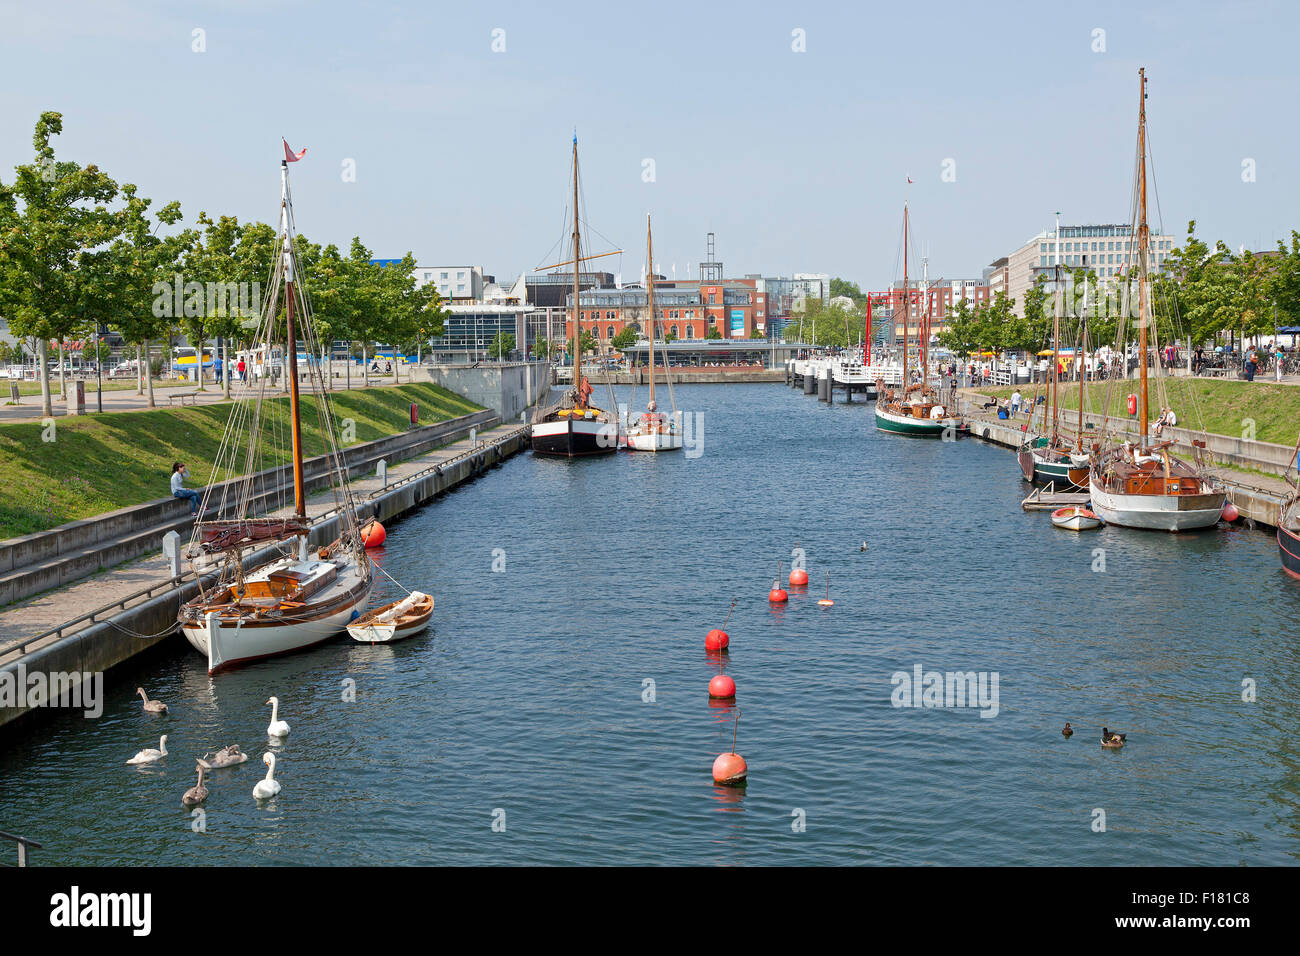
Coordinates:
[269,787]
[151,706]
[149,755]
[196,794]
[277,727]
[225,757]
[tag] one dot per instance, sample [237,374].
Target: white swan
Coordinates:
[277,727]
[149,755]
[269,787]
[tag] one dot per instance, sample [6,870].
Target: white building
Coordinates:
[454,283]
[1108,250]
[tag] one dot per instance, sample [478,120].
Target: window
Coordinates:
[460,275]
[609,332]
[713,299]
[443,276]
[428,276]
[673,330]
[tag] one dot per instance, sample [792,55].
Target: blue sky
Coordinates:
[796,160]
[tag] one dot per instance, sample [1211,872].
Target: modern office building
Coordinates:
[1106,249]
[454,283]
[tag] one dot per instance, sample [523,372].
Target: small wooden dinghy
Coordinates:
[393,621]
[1075,518]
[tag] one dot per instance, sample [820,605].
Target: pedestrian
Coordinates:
[1016,399]
[1251,366]
[1278,356]
[239,369]
[179,474]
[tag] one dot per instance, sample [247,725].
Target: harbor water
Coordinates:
[557,712]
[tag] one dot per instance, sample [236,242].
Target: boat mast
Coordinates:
[1143,239]
[1053,393]
[650,290]
[577,264]
[907,300]
[1081,365]
[291,345]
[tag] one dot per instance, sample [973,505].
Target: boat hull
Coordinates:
[236,642]
[888,421]
[1065,475]
[1075,519]
[1288,550]
[1156,512]
[653,441]
[374,632]
[574,438]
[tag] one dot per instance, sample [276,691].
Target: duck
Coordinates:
[151,706]
[197,793]
[863,546]
[225,757]
[1067,730]
[149,755]
[268,787]
[277,727]
[1111,739]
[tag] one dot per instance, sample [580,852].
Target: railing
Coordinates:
[23,844]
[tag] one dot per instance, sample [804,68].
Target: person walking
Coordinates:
[179,474]
[1251,366]
[240,369]
[1278,356]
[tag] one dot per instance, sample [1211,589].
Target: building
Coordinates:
[1106,249]
[454,283]
[931,301]
[687,309]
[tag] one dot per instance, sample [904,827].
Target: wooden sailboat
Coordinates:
[298,596]
[1288,526]
[652,430]
[576,428]
[1050,458]
[1144,485]
[912,408]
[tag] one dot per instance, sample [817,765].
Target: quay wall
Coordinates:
[508,388]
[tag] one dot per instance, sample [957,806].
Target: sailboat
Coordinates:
[1288,525]
[912,408]
[575,428]
[653,431]
[1050,458]
[1144,485]
[299,595]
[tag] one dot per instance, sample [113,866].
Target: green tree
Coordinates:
[713,333]
[53,217]
[626,337]
[845,287]
[502,345]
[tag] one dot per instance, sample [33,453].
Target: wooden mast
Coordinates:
[291,346]
[1143,239]
[577,264]
[907,302]
[1081,366]
[1053,393]
[650,290]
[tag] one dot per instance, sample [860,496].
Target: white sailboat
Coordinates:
[652,430]
[299,596]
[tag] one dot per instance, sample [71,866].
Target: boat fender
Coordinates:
[355,614]
[936,413]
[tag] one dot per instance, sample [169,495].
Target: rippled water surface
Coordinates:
[527,695]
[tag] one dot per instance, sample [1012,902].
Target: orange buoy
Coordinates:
[718,639]
[777,595]
[373,534]
[729,769]
[723,687]
[826,601]
[1230,512]
[798,577]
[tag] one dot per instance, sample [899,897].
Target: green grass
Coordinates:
[1221,407]
[98,463]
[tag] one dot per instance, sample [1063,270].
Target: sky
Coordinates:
[787,129]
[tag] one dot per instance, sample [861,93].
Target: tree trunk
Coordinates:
[140,371]
[63,375]
[47,407]
[198,364]
[148,374]
[396,367]
[225,368]
[365,365]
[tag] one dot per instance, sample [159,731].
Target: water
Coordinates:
[527,695]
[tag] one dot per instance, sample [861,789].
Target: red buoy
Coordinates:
[798,577]
[1230,512]
[373,534]
[718,639]
[729,769]
[723,687]
[777,595]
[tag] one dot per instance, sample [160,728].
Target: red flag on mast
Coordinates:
[289,155]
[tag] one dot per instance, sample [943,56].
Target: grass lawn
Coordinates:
[1221,407]
[26,388]
[98,463]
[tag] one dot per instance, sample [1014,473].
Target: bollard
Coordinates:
[473,438]
[14,395]
[809,384]
[824,388]
[172,552]
[381,472]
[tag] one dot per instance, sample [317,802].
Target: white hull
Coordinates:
[228,643]
[1076,520]
[1153,512]
[653,441]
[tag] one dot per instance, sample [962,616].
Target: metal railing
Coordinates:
[23,845]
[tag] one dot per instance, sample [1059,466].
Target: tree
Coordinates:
[587,342]
[502,345]
[543,348]
[845,287]
[713,333]
[51,219]
[626,337]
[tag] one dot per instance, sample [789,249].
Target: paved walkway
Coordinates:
[45,611]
